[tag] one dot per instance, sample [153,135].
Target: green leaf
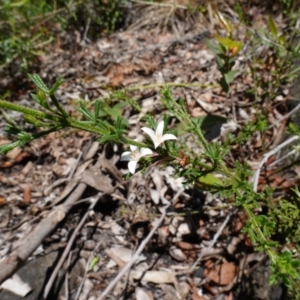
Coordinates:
[220,62]
[97,109]
[94,262]
[25,136]
[62,112]
[56,85]
[12,129]
[228,43]
[205,123]
[114,112]
[120,124]
[107,138]
[37,80]
[82,109]
[229,77]
[40,101]
[8,147]
[282,40]
[214,47]
[120,105]
[272,26]
[209,181]
[224,85]
[32,120]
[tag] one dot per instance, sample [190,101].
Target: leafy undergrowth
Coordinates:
[27,27]
[221,86]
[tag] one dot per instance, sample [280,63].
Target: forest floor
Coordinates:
[66,193]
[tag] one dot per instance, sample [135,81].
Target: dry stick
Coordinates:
[75,167]
[285,116]
[266,157]
[84,38]
[138,251]
[68,247]
[31,242]
[87,269]
[67,277]
[282,158]
[170,5]
[216,236]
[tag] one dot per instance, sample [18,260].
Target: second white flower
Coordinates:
[134,156]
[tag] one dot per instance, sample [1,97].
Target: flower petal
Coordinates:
[157,142]
[149,131]
[145,151]
[133,148]
[132,166]
[169,136]
[125,156]
[160,128]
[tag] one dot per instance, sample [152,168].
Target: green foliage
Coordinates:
[225,52]
[21,37]
[268,80]
[286,267]
[287,6]
[104,15]
[26,26]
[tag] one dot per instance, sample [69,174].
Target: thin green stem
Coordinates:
[200,136]
[58,106]
[258,231]
[84,126]
[28,111]
[128,141]
[46,132]
[63,122]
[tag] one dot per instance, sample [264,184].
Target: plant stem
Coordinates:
[128,141]
[58,106]
[28,111]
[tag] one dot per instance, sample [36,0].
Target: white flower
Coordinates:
[157,137]
[133,156]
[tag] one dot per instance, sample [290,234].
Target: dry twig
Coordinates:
[267,156]
[216,236]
